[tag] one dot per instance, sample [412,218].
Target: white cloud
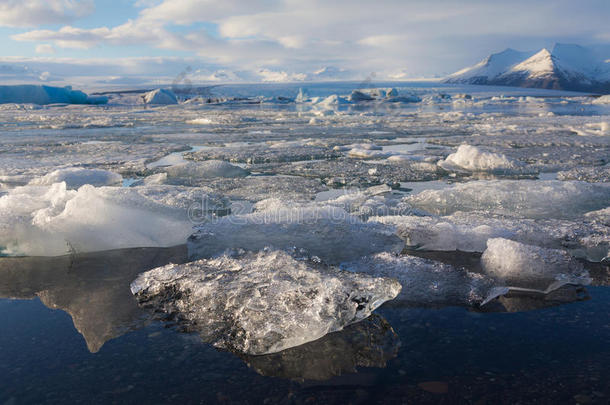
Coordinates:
[29,13]
[45,49]
[386,36]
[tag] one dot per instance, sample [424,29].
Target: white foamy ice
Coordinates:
[531,267]
[262,302]
[160,96]
[329,233]
[75,177]
[52,220]
[471,158]
[428,282]
[205,170]
[586,237]
[516,198]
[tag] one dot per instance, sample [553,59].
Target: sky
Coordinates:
[123,42]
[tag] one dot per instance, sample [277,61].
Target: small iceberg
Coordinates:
[531,268]
[472,159]
[41,95]
[161,97]
[260,303]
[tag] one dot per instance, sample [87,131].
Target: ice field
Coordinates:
[272,220]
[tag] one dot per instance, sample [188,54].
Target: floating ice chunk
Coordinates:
[531,267]
[185,172]
[75,177]
[368,343]
[593,129]
[358,96]
[201,121]
[35,94]
[153,179]
[517,198]
[470,231]
[471,158]
[52,220]
[261,303]
[587,237]
[160,96]
[329,233]
[368,153]
[602,100]
[330,102]
[426,282]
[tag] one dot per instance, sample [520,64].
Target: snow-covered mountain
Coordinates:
[566,67]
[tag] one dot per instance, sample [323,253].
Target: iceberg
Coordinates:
[531,267]
[260,303]
[75,177]
[328,233]
[516,198]
[471,158]
[37,94]
[160,96]
[52,220]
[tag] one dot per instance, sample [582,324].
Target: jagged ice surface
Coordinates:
[261,303]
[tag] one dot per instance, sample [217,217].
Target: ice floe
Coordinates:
[516,198]
[194,172]
[471,158]
[75,177]
[260,303]
[531,267]
[52,220]
[585,237]
[329,233]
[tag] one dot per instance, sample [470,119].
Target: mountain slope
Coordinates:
[489,68]
[567,67]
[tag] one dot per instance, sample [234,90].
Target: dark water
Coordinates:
[71,333]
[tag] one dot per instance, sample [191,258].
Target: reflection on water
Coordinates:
[93,287]
[369,343]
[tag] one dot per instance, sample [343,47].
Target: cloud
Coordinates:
[30,13]
[45,48]
[389,37]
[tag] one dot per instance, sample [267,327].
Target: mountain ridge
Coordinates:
[565,67]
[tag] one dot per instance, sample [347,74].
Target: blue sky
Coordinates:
[122,40]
